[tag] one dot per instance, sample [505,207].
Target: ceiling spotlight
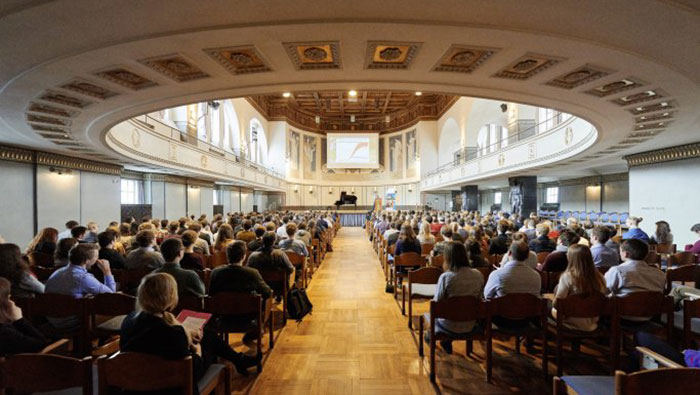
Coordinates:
[317,119]
[664,104]
[286,95]
[352,93]
[352,118]
[504,107]
[387,119]
[418,93]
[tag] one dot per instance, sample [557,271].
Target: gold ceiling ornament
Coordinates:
[88,89]
[665,106]
[579,76]
[175,67]
[634,98]
[16,154]
[463,58]
[51,110]
[245,59]
[615,87]
[49,159]
[63,99]
[681,152]
[527,66]
[32,118]
[314,55]
[126,78]
[390,55]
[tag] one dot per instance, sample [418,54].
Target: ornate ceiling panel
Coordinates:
[527,65]
[579,76]
[639,97]
[463,58]
[126,78]
[240,59]
[51,110]
[175,67]
[89,89]
[614,87]
[390,55]
[63,99]
[314,55]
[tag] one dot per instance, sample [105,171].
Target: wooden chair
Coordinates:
[279,281]
[437,261]
[189,302]
[243,307]
[687,273]
[461,308]
[218,258]
[652,258]
[299,263]
[485,271]
[408,261]
[386,262]
[640,304]
[665,249]
[29,373]
[150,373]
[681,259]
[603,269]
[61,306]
[128,280]
[425,249]
[423,276]
[205,276]
[617,239]
[520,306]
[691,311]
[549,280]
[116,306]
[40,259]
[657,381]
[580,306]
[541,256]
[43,273]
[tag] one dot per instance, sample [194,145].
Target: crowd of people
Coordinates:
[83,259]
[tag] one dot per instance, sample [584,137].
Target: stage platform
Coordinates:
[352,217]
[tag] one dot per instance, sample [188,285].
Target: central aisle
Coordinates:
[355,342]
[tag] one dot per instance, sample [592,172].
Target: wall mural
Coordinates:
[309,155]
[293,148]
[411,153]
[395,154]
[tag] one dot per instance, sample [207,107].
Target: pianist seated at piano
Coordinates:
[346,199]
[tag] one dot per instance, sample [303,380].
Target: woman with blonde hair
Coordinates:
[223,238]
[153,329]
[580,278]
[634,232]
[424,236]
[44,242]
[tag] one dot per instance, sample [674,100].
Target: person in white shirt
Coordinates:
[282,230]
[531,257]
[66,233]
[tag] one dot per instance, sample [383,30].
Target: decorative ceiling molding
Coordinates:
[126,78]
[662,106]
[16,154]
[314,55]
[133,175]
[32,118]
[579,76]
[615,87]
[687,151]
[390,55]
[245,59]
[88,89]
[200,183]
[640,97]
[176,67]
[51,110]
[49,159]
[60,98]
[528,65]
[463,58]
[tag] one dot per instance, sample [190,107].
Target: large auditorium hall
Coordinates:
[349,197]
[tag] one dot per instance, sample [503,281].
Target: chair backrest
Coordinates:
[425,275]
[437,261]
[144,372]
[27,373]
[485,271]
[583,306]
[520,306]
[205,276]
[189,302]
[130,279]
[278,280]
[40,259]
[391,249]
[685,273]
[425,248]
[112,304]
[652,257]
[294,258]
[409,259]
[691,309]
[218,258]
[667,248]
[56,305]
[541,256]
[43,273]
[644,304]
[682,258]
[461,308]
[658,381]
[233,303]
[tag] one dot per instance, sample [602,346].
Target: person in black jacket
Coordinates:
[106,241]
[17,335]
[501,243]
[542,243]
[153,329]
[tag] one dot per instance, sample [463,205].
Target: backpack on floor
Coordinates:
[298,304]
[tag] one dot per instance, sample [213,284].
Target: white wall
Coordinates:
[175,196]
[158,199]
[616,196]
[667,191]
[100,198]
[16,203]
[206,202]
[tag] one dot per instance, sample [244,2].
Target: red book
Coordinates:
[193,320]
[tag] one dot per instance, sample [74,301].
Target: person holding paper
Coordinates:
[153,329]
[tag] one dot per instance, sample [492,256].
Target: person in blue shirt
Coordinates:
[75,278]
[634,231]
[602,254]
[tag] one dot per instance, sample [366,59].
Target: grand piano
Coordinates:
[345,199]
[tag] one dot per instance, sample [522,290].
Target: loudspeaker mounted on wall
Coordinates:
[311,189]
[296,188]
[330,190]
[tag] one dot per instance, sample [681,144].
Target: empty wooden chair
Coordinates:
[402,265]
[460,308]
[29,373]
[299,263]
[657,381]
[681,259]
[279,282]
[682,274]
[529,307]
[421,285]
[691,321]
[150,373]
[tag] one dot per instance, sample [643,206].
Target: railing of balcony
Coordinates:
[519,130]
[197,142]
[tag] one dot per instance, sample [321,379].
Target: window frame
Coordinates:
[551,195]
[498,197]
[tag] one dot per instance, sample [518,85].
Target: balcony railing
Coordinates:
[519,130]
[195,141]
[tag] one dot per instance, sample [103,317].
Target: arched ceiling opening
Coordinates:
[72,69]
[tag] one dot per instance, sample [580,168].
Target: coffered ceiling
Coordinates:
[367,110]
[69,70]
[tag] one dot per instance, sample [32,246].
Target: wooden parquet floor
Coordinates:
[357,342]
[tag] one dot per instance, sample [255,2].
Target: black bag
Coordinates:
[298,304]
[389,288]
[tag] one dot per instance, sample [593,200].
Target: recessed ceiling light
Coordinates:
[286,94]
[352,93]
[639,108]
[664,104]
[665,114]
[643,118]
[418,93]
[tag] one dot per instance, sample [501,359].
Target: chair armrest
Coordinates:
[54,346]
[658,358]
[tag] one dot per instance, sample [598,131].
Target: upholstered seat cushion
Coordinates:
[427,290]
[591,385]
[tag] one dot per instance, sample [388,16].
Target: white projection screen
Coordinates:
[353,150]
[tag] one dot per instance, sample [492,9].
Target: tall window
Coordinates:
[497,197]
[491,137]
[215,122]
[254,140]
[552,195]
[216,196]
[482,140]
[131,191]
[546,119]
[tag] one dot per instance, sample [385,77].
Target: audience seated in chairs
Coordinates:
[474,253]
[188,282]
[60,257]
[531,258]
[256,245]
[44,242]
[514,277]
[694,248]
[407,241]
[459,279]
[145,256]
[153,329]
[499,244]
[201,246]
[424,235]
[634,232]
[15,269]
[191,260]
[439,248]
[302,234]
[67,233]
[603,256]
[269,258]
[391,235]
[107,252]
[293,244]
[17,335]
[556,261]
[542,243]
[246,235]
